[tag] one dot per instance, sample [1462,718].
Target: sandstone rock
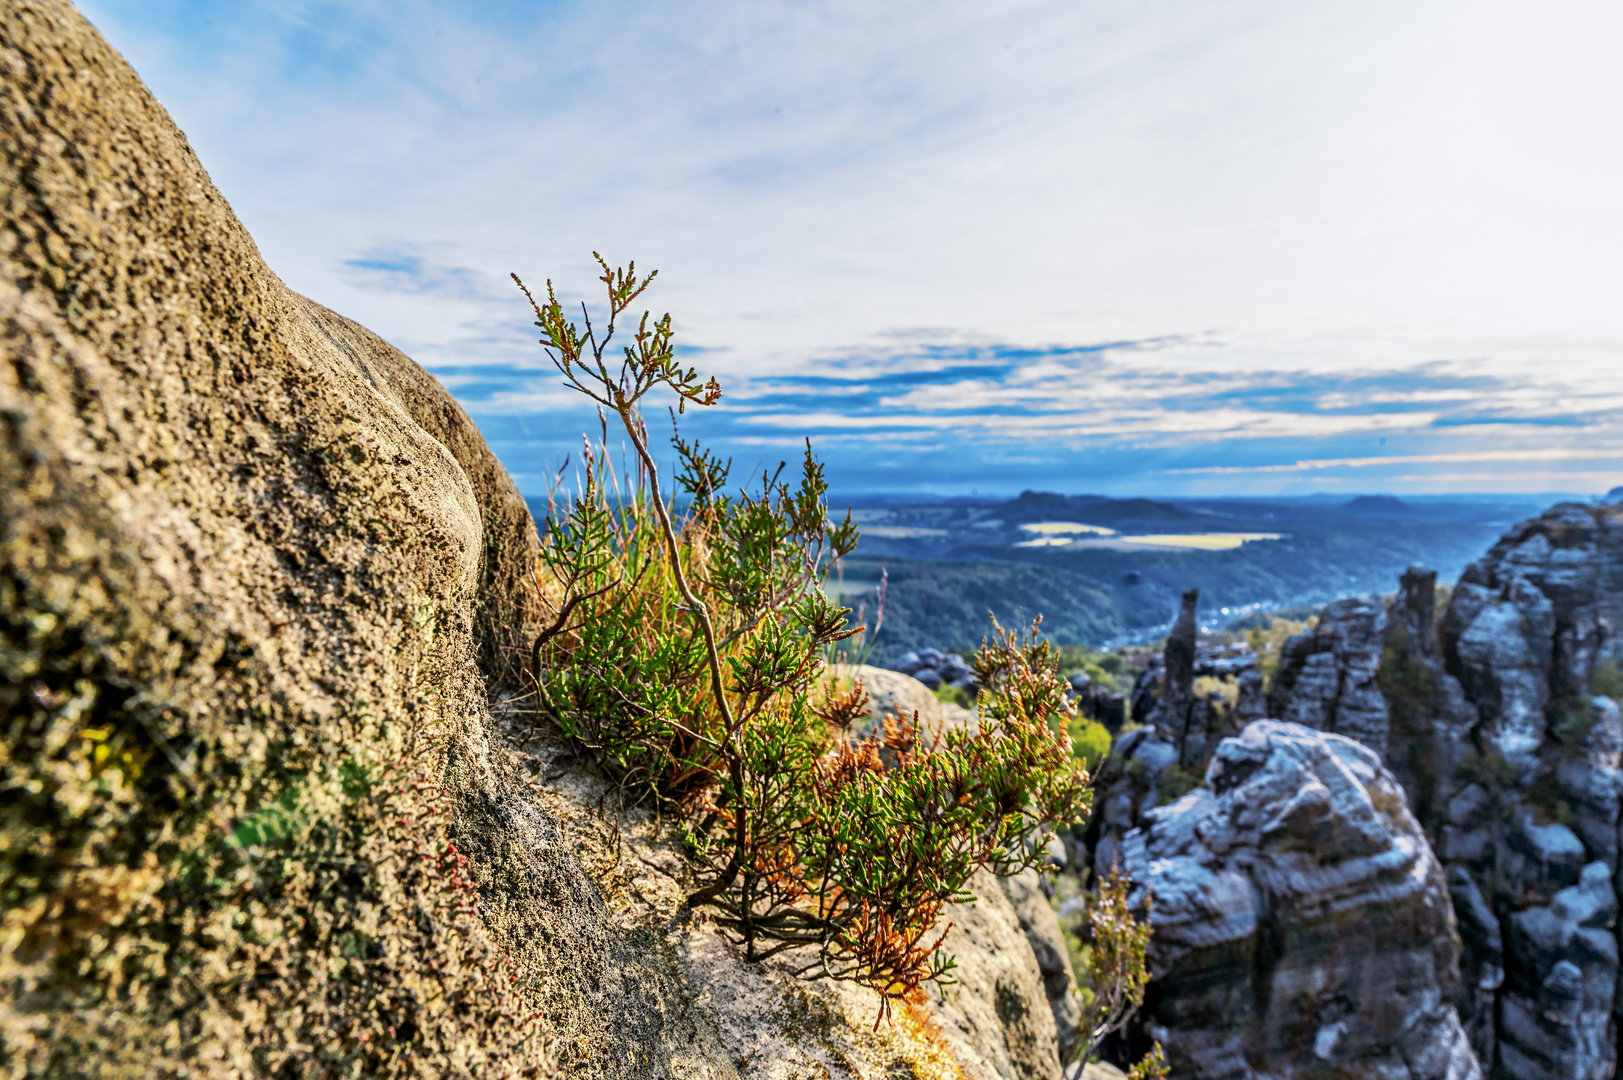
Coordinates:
[1538,794]
[932,667]
[1165,694]
[1162,760]
[257,576]
[251,558]
[1302,924]
[1098,1070]
[1327,676]
[1104,706]
[1511,762]
[893,694]
[1041,927]
[998,1018]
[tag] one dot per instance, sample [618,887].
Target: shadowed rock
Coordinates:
[1302,924]
[1179,661]
[1503,727]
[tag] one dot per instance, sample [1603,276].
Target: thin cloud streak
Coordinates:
[1414,459]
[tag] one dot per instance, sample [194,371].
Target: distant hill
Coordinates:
[1120,514]
[1378,506]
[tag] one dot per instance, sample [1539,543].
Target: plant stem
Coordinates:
[729,751]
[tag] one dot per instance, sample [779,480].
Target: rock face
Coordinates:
[998,1018]
[1194,696]
[1096,703]
[1328,676]
[256,572]
[1302,924]
[1501,722]
[257,576]
[1041,926]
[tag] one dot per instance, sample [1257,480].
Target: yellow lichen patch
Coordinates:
[919,1043]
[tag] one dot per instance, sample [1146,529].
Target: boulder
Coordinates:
[1096,703]
[932,667]
[890,693]
[997,1018]
[1302,924]
[1041,927]
[260,578]
[257,574]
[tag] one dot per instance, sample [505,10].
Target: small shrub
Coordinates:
[1207,686]
[683,655]
[1491,770]
[1575,727]
[948,694]
[1116,968]
[1102,667]
[1607,679]
[1152,1066]
[1176,782]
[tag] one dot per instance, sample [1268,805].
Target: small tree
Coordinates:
[684,653]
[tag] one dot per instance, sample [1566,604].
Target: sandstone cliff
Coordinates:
[1302,923]
[1501,721]
[258,573]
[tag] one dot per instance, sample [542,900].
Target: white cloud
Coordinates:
[1266,191]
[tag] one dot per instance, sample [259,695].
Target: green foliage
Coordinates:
[1104,668]
[1176,782]
[1491,770]
[1548,799]
[1152,1066]
[685,654]
[1107,947]
[1574,728]
[1607,679]
[1268,641]
[1090,742]
[1116,969]
[948,694]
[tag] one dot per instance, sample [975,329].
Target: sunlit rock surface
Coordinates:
[260,576]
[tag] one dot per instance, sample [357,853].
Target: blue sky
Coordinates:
[1127,247]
